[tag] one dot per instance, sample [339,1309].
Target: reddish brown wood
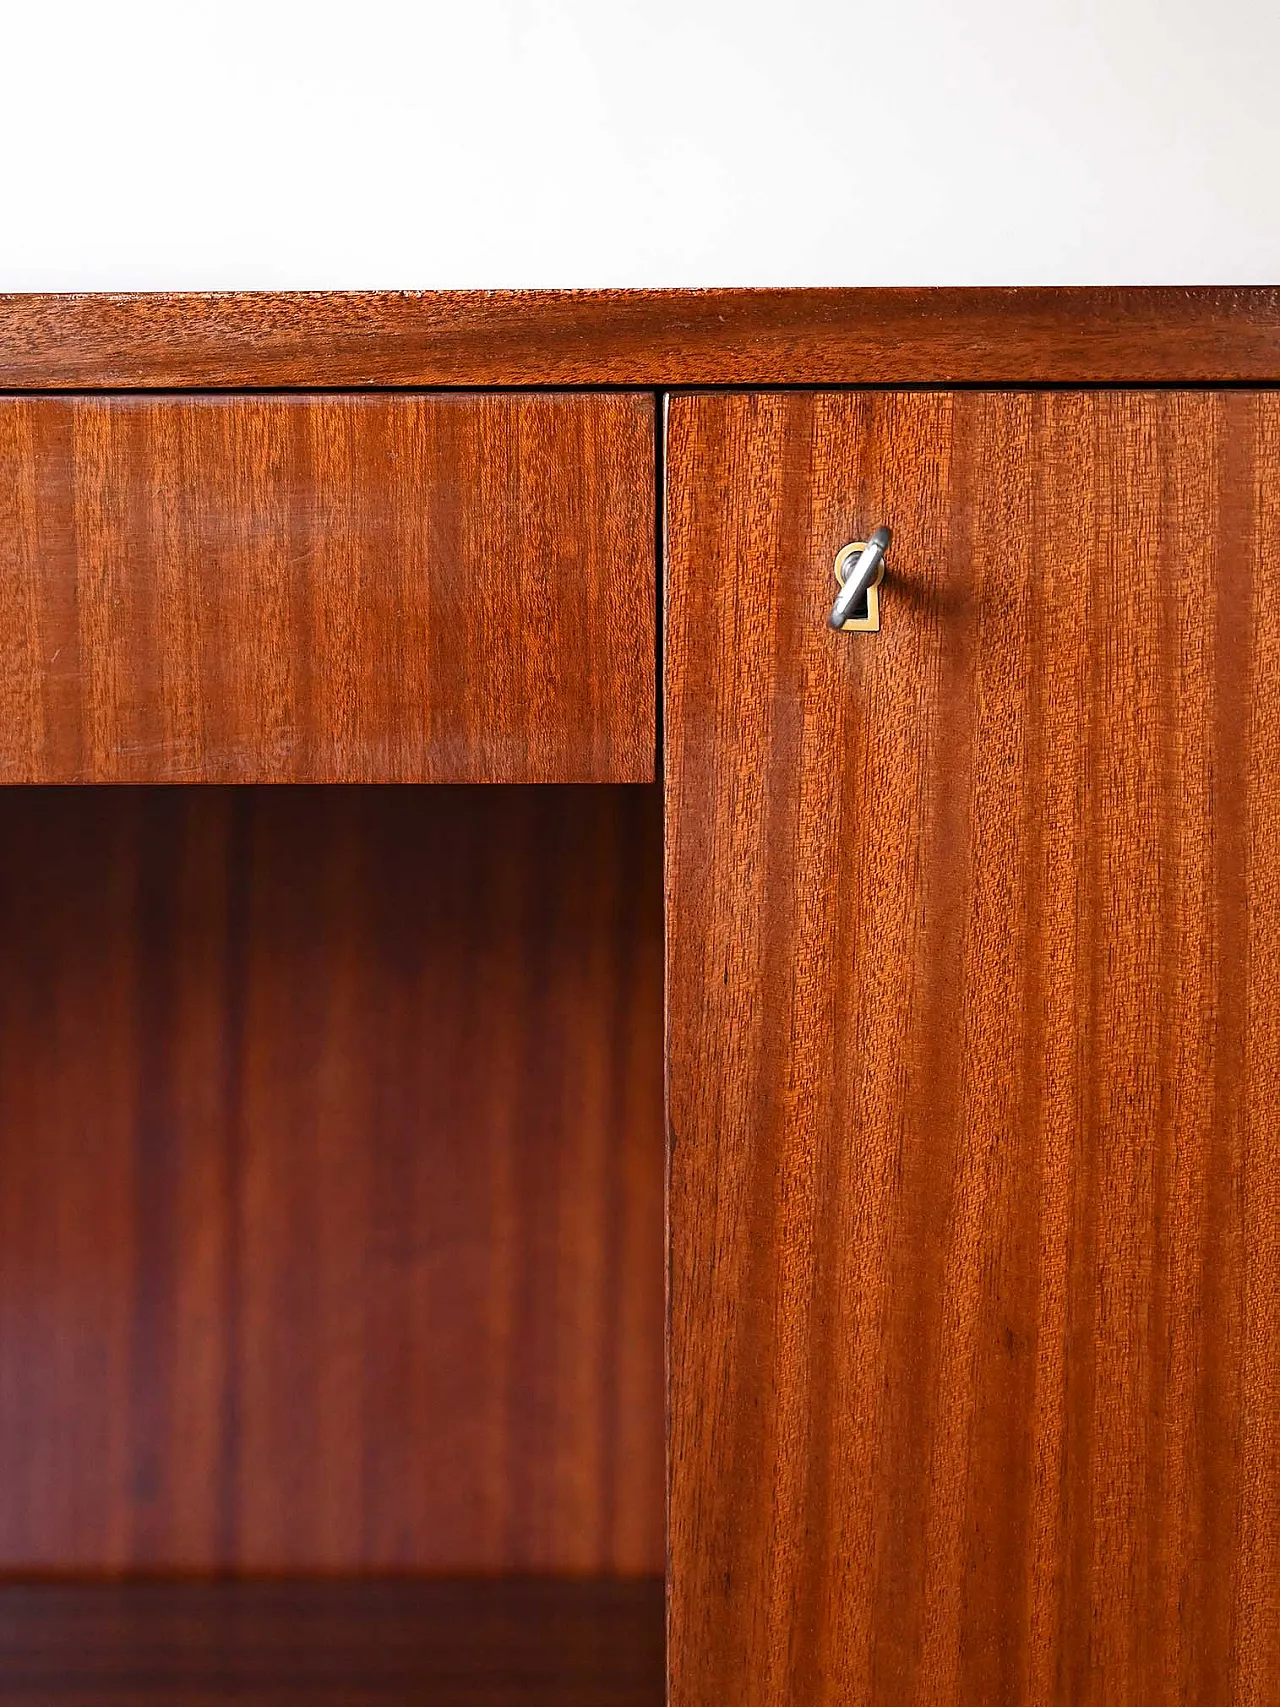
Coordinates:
[974,976]
[327,589]
[330,1180]
[515,1643]
[650,338]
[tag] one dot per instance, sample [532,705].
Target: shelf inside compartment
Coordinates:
[515,1642]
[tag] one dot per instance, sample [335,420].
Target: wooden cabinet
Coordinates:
[327,588]
[974,939]
[332,1141]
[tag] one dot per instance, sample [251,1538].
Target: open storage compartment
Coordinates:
[331,1178]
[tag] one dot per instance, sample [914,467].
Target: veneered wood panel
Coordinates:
[327,589]
[331,1175]
[509,1642]
[974,970]
[1010,335]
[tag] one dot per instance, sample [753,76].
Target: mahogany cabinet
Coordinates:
[335,1366]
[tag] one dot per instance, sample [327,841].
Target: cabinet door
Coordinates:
[373,587]
[974,985]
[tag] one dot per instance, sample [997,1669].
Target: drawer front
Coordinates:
[325,588]
[974,998]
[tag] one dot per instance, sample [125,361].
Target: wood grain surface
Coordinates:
[327,589]
[503,1643]
[649,338]
[974,994]
[331,1175]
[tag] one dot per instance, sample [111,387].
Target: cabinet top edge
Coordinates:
[1014,335]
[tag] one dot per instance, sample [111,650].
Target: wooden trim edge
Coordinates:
[1018,335]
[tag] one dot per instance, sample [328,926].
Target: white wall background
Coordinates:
[148,144]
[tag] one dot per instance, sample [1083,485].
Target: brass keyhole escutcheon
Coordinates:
[864,619]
